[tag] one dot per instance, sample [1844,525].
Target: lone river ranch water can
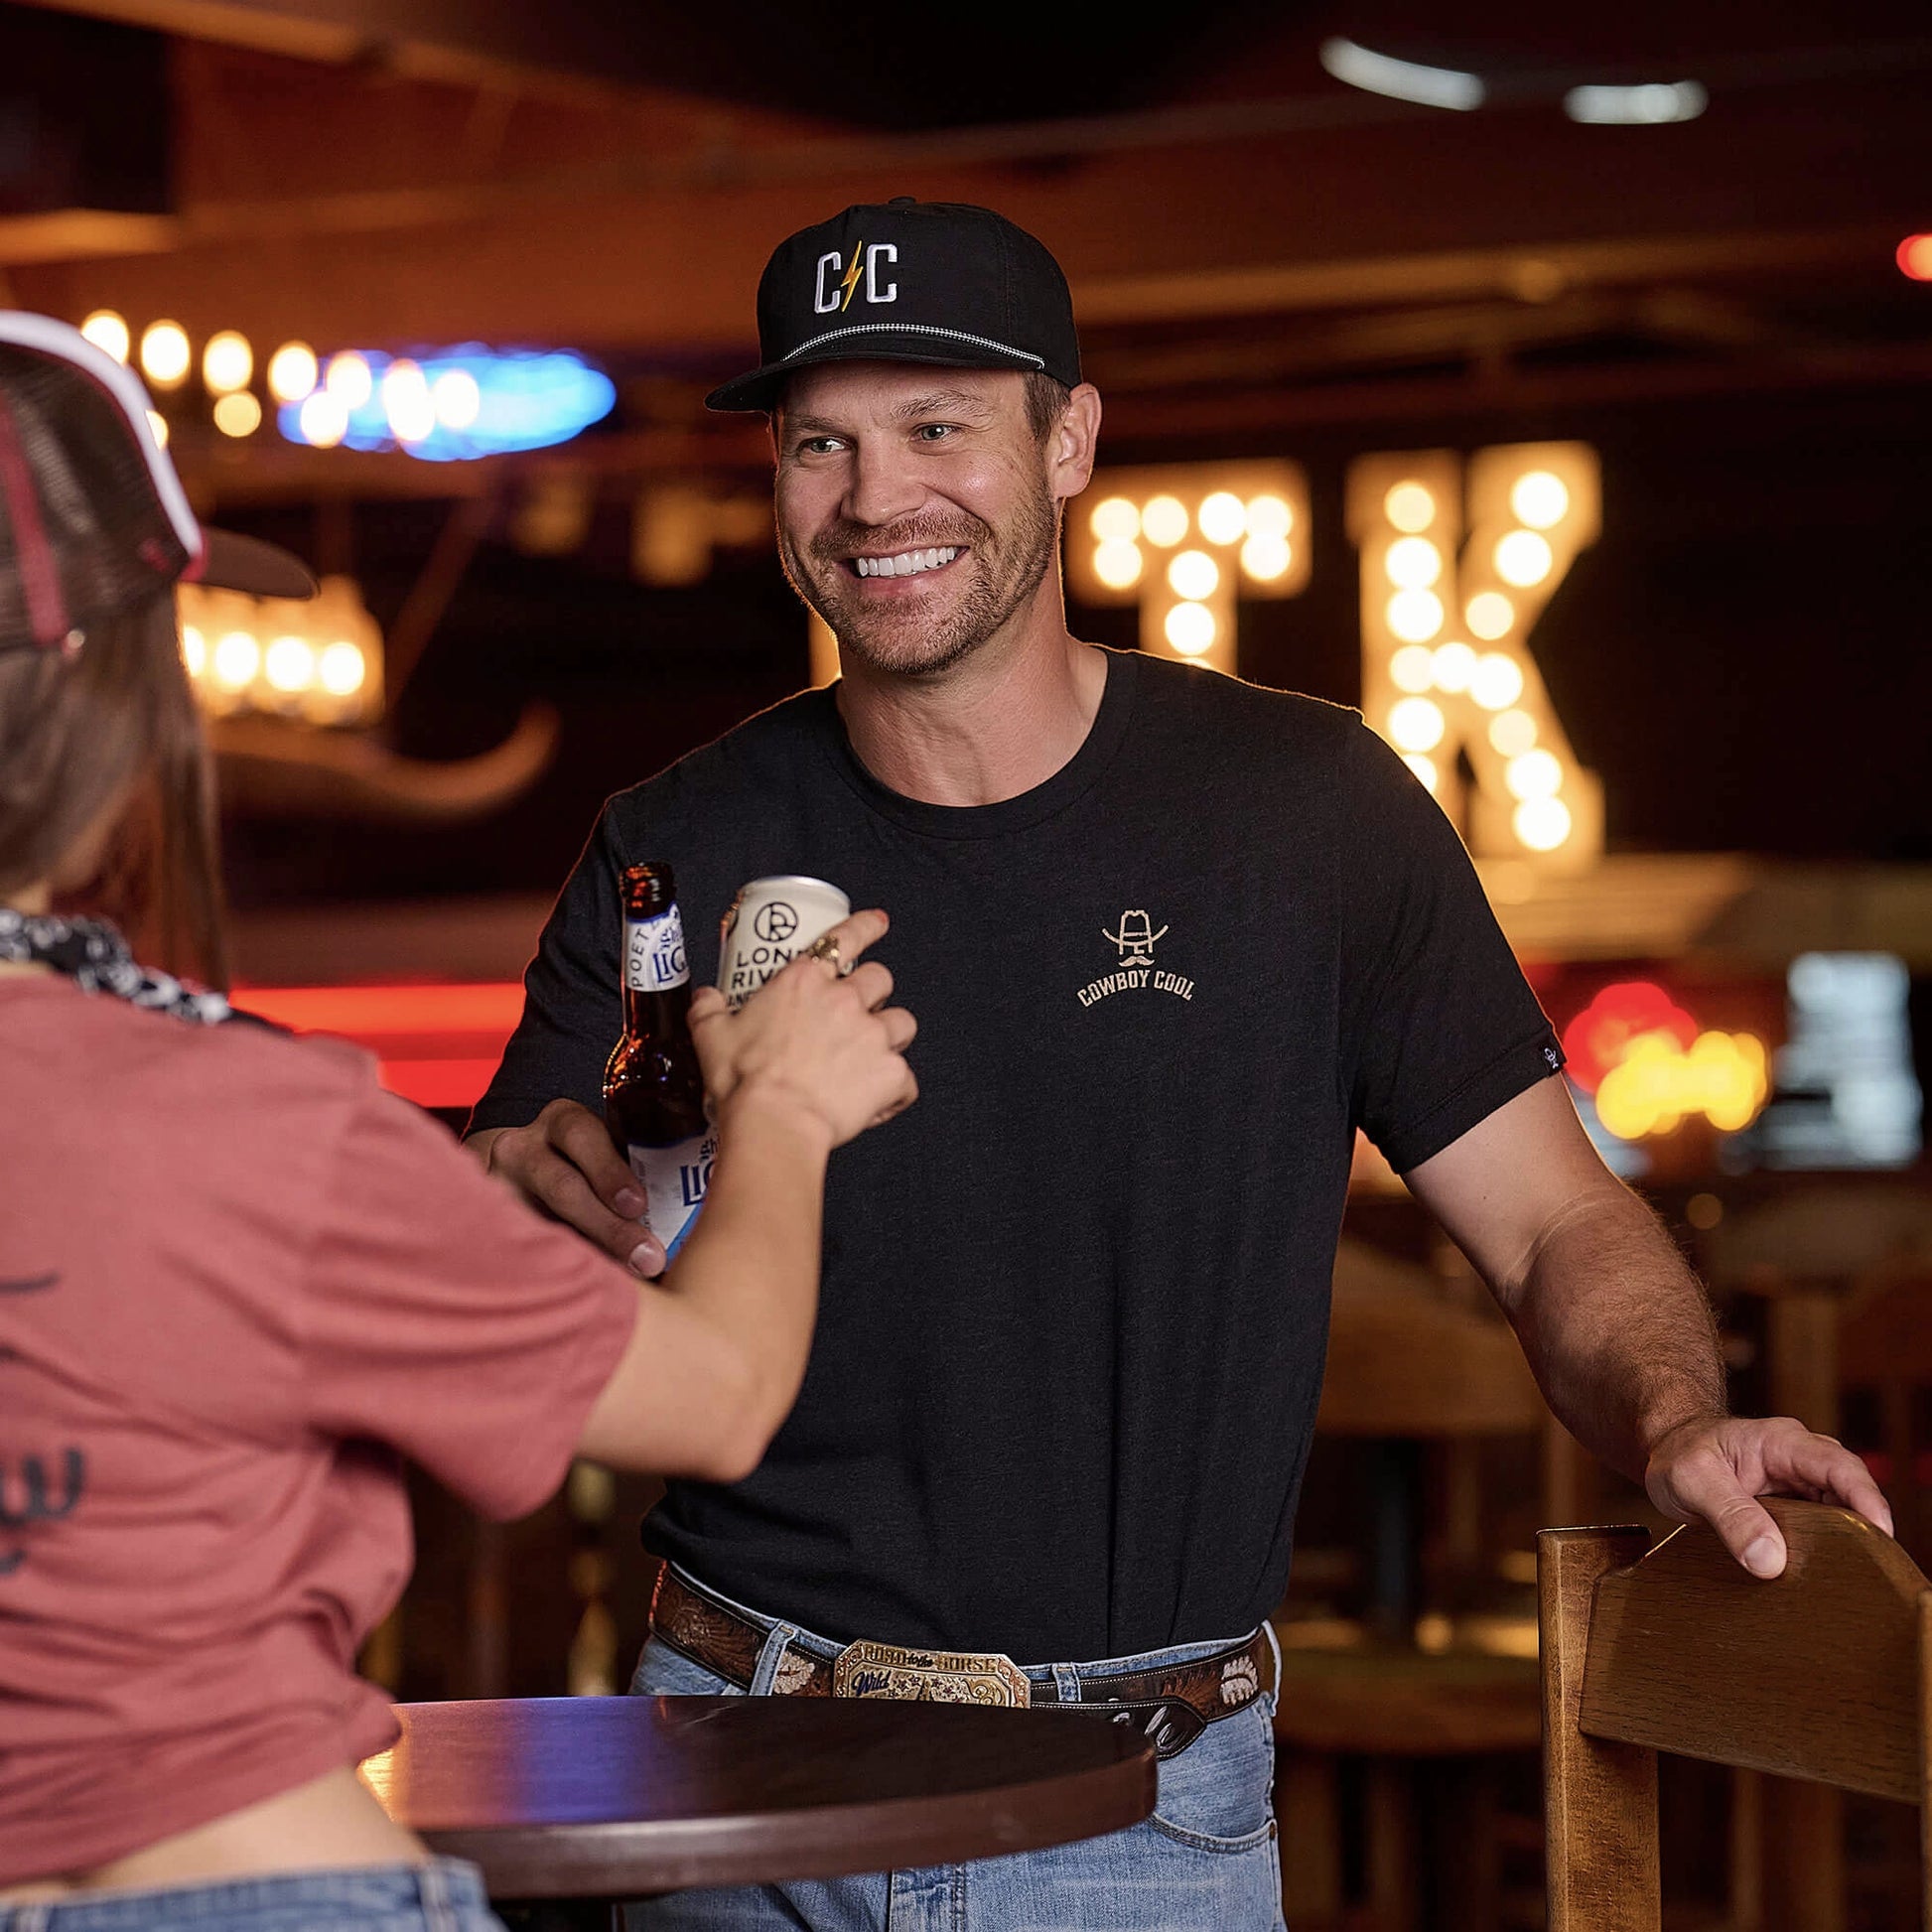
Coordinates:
[771,922]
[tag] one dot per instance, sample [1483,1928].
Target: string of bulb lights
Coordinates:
[440,406]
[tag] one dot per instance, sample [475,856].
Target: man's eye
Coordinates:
[820,445]
[936,432]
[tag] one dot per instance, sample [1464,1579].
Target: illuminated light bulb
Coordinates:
[194,651]
[289,664]
[1269,516]
[349,380]
[1193,574]
[237,657]
[458,398]
[159,424]
[1413,668]
[1115,521]
[1223,517]
[1734,1099]
[1409,506]
[109,332]
[1423,769]
[1386,74]
[1658,1083]
[1648,105]
[341,671]
[1498,680]
[1267,558]
[1539,499]
[1490,613]
[324,419]
[1533,774]
[227,362]
[1542,824]
[1414,616]
[1455,665]
[1523,558]
[1415,725]
[237,415]
[1513,733]
[164,355]
[1190,629]
[292,372]
[1164,521]
[1118,565]
[407,403]
[1412,563]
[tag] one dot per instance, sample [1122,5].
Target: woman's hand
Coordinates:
[811,1038]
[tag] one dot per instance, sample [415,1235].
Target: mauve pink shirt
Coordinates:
[235,1279]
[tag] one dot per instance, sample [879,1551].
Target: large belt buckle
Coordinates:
[883,1670]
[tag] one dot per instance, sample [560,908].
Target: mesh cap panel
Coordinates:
[82,534]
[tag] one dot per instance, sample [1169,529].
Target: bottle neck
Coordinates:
[658,1015]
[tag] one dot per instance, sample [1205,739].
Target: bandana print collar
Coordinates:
[95,957]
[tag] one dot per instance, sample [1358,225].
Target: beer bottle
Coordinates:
[653,1087]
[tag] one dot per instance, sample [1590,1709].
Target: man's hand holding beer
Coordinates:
[822,1048]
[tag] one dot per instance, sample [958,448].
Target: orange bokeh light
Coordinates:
[1915,258]
[1602,1034]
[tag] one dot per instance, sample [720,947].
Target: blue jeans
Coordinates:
[1204,1862]
[444,1895]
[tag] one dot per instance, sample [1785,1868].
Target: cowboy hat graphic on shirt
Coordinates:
[1135,938]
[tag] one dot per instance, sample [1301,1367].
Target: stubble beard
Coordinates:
[1002,571]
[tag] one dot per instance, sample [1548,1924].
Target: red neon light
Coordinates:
[1914,257]
[437,1045]
[359,1012]
[1599,1036]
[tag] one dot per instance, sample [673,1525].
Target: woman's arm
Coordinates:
[715,1362]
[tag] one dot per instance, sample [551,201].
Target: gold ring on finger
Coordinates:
[826,947]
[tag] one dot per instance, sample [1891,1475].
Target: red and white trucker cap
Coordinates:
[94,520]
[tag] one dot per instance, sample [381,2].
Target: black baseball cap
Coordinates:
[909,281]
[94,520]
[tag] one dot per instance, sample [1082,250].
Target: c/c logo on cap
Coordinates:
[828,297]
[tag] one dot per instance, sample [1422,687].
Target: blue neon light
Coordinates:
[528,400]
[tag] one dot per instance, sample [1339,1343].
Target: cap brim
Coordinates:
[236,562]
[763,388]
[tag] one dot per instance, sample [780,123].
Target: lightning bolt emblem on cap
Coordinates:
[850,281]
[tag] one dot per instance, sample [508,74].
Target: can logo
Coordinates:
[771,922]
[775,921]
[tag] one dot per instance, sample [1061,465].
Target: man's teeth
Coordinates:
[909,563]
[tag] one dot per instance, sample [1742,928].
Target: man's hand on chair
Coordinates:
[1713,1470]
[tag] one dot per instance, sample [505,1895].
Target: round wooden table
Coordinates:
[615,1797]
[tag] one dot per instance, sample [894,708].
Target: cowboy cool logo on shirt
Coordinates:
[1136,940]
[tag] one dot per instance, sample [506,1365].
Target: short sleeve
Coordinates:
[443,1316]
[572,997]
[1439,1026]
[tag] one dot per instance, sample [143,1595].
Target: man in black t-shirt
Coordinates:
[1173,939]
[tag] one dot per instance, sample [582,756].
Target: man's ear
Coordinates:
[1072,441]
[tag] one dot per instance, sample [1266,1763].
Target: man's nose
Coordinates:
[884,487]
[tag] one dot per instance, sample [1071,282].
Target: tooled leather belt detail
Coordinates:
[1170,1704]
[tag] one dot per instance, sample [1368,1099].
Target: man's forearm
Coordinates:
[1616,1328]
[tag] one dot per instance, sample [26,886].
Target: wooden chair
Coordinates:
[1821,1675]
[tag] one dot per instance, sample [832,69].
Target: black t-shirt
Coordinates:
[1075,1301]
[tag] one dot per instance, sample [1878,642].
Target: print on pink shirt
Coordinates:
[37,1504]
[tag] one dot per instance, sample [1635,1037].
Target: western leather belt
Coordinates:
[1170,1704]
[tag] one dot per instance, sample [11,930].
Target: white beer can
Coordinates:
[771,922]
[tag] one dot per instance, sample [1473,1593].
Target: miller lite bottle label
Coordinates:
[653,1087]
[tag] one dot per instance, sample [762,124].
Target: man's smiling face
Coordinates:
[914,509]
